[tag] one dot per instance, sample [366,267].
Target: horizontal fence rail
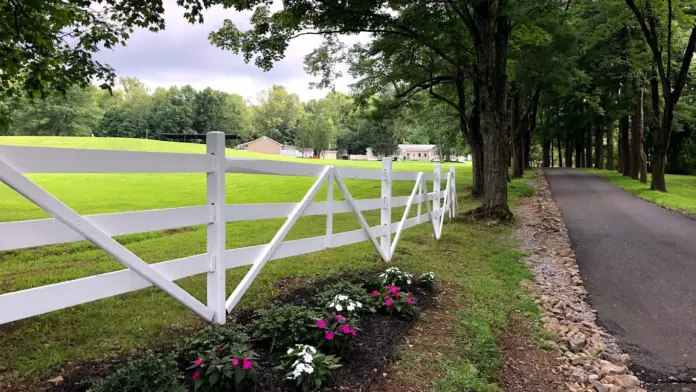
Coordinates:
[68,226]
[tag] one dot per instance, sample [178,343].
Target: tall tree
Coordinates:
[653,20]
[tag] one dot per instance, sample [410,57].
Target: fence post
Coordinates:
[436,196]
[385,240]
[215,148]
[453,191]
[329,209]
[420,203]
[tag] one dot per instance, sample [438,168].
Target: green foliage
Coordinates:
[224,368]
[74,114]
[284,325]
[48,45]
[427,280]
[207,338]
[151,373]
[277,115]
[308,367]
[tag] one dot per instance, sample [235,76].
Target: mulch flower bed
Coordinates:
[368,355]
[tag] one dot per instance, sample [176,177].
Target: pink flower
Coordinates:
[247,364]
[354,332]
[219,347]
[345,329]
[235,362]
[333,314]
[321,324]
[389,303]
[394,289]
[409,301]
[397,295]
[339,318]
[329,335]
[196,374]
[386,297]
[375,293]
[197,362]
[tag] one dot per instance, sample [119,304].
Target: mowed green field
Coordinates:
[681,190]
[38,345]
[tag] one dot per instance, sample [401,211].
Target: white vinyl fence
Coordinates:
[69,226]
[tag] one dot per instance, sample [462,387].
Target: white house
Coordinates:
[418,152]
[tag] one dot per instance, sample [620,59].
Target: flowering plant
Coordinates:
[392,300]
[336,331]
[427,280]
[396,276]
[223,368]
[308,367]
[344,304]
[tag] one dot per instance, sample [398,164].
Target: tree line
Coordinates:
[507,74]
[132,110]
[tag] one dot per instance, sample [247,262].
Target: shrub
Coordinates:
[396,276]
[336,331]
[354,291]
[284,325]
[223,368]
[427,280]
[308,367]
[150,373]
[205,339]
[394,301]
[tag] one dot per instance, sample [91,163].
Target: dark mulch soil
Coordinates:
[527,367]
[369,355]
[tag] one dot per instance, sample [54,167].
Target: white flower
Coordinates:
[351,308]
[408,281]
[309,369]
[339,307]
[359,305]
[332,304]
[289,351]
[308,358]
[342,297]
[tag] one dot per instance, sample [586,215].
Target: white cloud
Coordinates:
[182,54]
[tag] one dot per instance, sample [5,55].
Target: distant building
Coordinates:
[266,145]
[418,152]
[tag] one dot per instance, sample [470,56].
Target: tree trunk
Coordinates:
[610,145]
[620,167]
[588,148]
[491,46]
[560,155]
[638,159]
[579,143]
[517,138]
[476,144]
[553,160]
[661,141]
[625,146]
[568,151]
[599,148]
[545,160]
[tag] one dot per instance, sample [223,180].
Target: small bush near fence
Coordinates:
[295,345]
[150,373]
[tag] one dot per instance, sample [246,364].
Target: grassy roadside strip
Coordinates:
[485,265]
[681,190]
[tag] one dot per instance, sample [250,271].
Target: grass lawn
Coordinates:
[681,190]
[480,259]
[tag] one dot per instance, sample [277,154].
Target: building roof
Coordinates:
[256,140]
[416,147]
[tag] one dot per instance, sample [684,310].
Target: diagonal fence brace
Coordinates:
[64,214]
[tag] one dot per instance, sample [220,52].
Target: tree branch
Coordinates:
[686,63]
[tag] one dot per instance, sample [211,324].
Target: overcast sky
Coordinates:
[182,54]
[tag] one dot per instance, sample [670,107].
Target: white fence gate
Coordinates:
[69,226]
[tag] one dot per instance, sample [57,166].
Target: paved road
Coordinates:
[638,261]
